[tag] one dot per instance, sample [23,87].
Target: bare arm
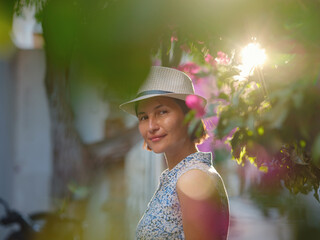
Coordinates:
[202,213]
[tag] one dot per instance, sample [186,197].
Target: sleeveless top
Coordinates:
[163,218]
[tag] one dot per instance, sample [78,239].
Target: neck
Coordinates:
[175,157]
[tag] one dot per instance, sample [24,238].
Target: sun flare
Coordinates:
[252,56]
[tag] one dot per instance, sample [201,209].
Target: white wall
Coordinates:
[25,147]
[90,109]
[31,144]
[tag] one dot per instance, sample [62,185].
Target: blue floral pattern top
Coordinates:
[162,218]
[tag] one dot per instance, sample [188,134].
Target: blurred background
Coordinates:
[67,149]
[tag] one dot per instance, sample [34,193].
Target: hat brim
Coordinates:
[129,106]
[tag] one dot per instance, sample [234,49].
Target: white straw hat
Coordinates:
[162,81]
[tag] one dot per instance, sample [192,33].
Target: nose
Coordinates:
[153,124]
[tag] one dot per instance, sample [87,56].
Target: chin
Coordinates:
[157,151]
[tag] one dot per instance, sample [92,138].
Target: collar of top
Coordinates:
[202,157]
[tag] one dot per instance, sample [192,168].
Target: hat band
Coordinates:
[149,92]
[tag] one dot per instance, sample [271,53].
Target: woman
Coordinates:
[191,201]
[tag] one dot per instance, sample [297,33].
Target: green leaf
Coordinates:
[261,131]
[231,124]
[193,126]
[189,116]
[316,150]
[263,169]
[211,110]
[223,96]
[297,157]
[242,155]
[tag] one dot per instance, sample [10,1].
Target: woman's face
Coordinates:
[161,124]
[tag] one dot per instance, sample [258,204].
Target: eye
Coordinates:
[163,112]
[143,117]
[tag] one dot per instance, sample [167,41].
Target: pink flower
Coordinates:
[222,58]
[174,37]
[221,54]
[196,103]
[209,59]
[206,145]
[190,68]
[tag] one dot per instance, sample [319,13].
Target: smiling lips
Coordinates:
[156,138]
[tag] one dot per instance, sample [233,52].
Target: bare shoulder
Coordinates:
[203,214]
[197,184]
